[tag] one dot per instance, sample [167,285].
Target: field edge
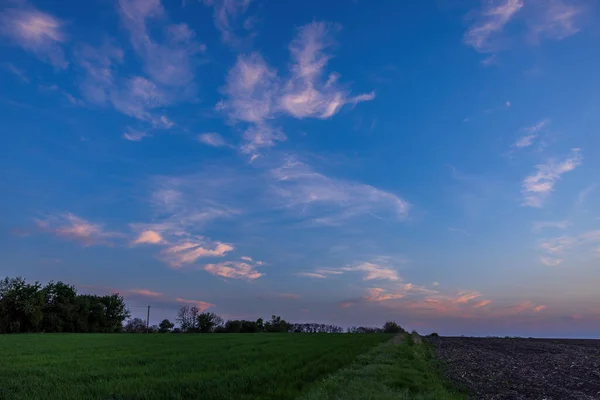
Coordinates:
[403,368]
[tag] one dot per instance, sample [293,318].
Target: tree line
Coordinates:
[192,320]
[57,307]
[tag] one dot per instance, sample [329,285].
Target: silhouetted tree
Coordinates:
[207,321]
[57,308]
[392,327]
[187,318]
[165,326]
[276,324]
[135,325]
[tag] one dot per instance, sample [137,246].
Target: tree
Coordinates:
[165,326]
[187,318]
[59,307]
[21,306]
[207,321]
[115,312]
[392,327]
[276,324]
[135,325]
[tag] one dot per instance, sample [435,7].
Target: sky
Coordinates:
[348,162]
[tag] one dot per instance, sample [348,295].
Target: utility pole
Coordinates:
[148,321]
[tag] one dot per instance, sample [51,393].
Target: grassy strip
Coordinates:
[398,369]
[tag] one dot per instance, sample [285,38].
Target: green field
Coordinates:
[236,366]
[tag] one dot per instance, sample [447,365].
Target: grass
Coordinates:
[208,367]
[396,370]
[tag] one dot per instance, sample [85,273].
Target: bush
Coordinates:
[392,327]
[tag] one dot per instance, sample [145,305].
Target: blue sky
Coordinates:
[343,161]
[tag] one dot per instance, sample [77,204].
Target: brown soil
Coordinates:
[519,369]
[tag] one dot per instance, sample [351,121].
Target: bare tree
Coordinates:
[187,318]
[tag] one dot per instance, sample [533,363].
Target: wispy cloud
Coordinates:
[482,303]
[169,66]
[134,135]
[72,227]
[312,275]
[19,73]
[256,94]
[465,297]
[531,134]
[373,271]
[380,268]
[583,195]
[332,201]
[555,248]
[288,296]
[419,299]
[541,225]
[200,305]
[228,16]
[556,19]
[212,139]
[134,96]
[558,245]
[98,67]
[537,187]
[321,273]
[145,293]
[234,270]
[251,87]
[307,93]
[190,250]
[525,141]
[551,261]
[490,21]
[379,294]
[180,217]
[148,237]
[551,19]
[525,306]
[37,32]
[170,62]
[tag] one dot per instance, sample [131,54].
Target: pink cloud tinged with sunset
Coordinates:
[72,227]
[145,292]
[201,305]
[233,270]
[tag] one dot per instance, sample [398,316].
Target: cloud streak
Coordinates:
[199,304]
[531,134]
[190,250]
[227,14]
[35,31]
[556,19]
[334,200]
[538,186]
[70,226]
[234,270]
[212,139]
[171,62]
[489,23]
[555,248]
